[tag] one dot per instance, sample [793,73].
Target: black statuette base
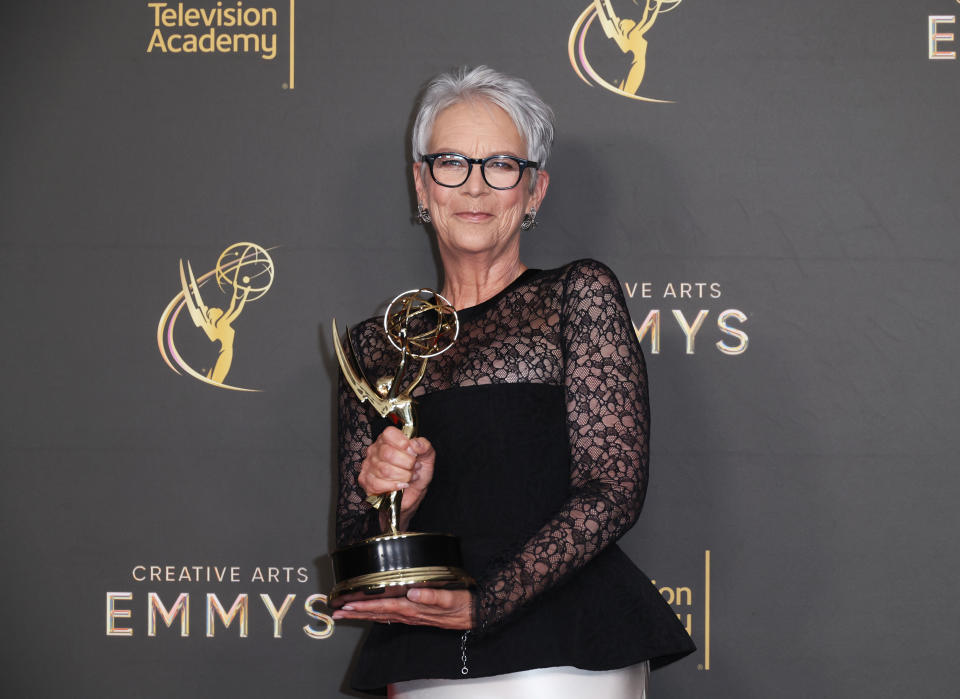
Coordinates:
[389,565]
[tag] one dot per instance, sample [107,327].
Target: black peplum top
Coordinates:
[540,420]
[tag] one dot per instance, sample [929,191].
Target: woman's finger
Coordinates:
[394,608]
[388,454]
[442,599]
[394,437]
[388,471]
[379,486]
[418,601]
[421,446]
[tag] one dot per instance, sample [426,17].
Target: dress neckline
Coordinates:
[472,311]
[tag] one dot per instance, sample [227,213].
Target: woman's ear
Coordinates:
[540,189]
[419,184]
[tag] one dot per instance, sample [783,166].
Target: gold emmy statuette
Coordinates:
[420,324]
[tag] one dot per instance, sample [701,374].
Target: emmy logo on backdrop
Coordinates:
[244,273]
[630,36]
[420,324]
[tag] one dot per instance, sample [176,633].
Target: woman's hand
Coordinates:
[394,462]
[445,609]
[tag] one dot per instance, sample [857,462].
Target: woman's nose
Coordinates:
[475,183]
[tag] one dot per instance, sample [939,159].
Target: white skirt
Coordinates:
[544,683]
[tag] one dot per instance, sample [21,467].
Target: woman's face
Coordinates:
[474,217]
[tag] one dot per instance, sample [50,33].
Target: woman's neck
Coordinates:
[467,283]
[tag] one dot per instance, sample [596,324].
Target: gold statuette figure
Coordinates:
[631,35]
[420,324]
[245,272]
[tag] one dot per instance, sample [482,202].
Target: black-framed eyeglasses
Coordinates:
[499,171]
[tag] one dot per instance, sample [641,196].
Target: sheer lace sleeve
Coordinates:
[608,427]
[356,519]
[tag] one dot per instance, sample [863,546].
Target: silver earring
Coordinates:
[529,220]
[423,214]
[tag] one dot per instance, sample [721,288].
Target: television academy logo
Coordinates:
[630,36]
[691,603]
[244,272]
[238,29]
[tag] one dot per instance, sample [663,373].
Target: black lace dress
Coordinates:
[540,421]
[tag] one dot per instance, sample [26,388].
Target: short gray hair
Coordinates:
[530,114]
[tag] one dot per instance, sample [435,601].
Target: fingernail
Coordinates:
[347,607]
[411,452]
[338,615]
[416,477]
[413,594]
[401,486]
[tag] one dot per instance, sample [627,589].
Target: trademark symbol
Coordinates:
[699,666]
[285,86]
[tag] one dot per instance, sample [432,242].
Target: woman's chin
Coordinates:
[475,242]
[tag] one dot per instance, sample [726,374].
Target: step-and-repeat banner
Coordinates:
[193,190]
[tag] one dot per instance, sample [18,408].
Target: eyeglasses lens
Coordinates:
[450,170]
[501,172]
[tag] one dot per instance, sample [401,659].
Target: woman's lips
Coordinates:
[474,216]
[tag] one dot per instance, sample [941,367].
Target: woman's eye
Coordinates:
[502,164]
[450,163]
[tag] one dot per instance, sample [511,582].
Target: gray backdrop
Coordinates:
[807,168]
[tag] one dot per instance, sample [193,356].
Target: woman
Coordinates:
[534,446]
